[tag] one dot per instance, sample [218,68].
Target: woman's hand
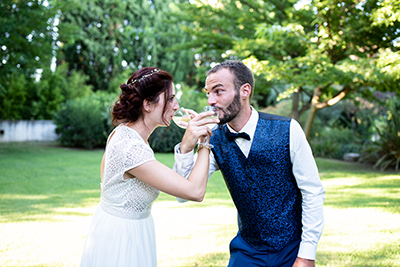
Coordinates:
[197,129]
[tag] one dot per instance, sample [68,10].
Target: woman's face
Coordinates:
[165,117]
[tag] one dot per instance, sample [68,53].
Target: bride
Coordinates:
[122,230]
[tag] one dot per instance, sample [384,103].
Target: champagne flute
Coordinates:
[181,118]
[213,116]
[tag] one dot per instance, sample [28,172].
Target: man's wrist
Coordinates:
[184,150]
[178,150]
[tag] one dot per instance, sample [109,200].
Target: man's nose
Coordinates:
[211,100]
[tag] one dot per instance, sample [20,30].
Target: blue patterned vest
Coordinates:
[262,186]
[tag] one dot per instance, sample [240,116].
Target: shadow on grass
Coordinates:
[379,193]
[331,168]
[19,208]
[40,181]
[216,194]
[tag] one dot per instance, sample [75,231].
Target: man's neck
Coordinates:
[241,119]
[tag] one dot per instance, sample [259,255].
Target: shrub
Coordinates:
[13,96]
[191,98]
[164,139]
[85,122]
[335,142]
[384,152]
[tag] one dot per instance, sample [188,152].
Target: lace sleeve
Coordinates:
[127,150]
[136,153]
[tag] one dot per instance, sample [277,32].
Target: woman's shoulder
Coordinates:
[124,132]
[132,147]
[123,137]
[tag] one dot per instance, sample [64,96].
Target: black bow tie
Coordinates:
[232,136]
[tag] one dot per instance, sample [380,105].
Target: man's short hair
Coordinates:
[241,72]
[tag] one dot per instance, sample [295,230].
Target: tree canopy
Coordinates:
[96,45]
[317,52]
[105,37]
[26,37]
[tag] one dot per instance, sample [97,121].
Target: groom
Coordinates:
[269,170]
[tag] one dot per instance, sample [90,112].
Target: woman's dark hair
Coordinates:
[145,84]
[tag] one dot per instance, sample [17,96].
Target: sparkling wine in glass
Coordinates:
[213,116]
[181,118]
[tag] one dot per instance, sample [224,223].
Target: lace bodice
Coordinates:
[126,198]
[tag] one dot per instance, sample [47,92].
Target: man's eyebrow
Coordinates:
[215,86]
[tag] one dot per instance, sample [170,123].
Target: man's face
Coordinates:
[223,95]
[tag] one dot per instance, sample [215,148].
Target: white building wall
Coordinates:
[20,131]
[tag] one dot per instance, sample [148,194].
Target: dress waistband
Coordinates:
[124,214]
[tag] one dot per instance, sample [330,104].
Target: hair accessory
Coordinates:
[154,71]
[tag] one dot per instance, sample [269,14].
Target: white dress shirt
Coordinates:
[304,170]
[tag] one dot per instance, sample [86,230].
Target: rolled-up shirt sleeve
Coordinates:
[313,193]
[183,162]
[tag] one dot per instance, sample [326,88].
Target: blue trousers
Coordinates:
[244,255]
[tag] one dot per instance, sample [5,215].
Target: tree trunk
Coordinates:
[310,119]
[316,105]
[295,106]
[313,110]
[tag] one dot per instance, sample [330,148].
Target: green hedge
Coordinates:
[335,142]
[85,122]
[164,139]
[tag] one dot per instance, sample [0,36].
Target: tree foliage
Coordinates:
[317,53]
[384,152]
[97,45]
[85,122]
[102,38]
[26,37]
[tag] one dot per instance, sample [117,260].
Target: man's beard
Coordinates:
[231,111]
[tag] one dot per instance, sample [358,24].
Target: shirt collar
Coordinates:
[250,126]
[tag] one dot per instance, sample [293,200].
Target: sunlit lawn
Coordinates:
[48,195]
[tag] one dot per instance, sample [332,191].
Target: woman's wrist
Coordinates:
[204,145]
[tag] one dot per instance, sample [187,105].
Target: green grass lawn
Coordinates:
[48,195]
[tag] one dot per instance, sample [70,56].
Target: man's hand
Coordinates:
[197,129]
[300,262]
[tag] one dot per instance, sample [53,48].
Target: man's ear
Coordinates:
[245,91]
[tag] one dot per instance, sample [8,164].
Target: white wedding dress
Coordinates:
[122,231]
